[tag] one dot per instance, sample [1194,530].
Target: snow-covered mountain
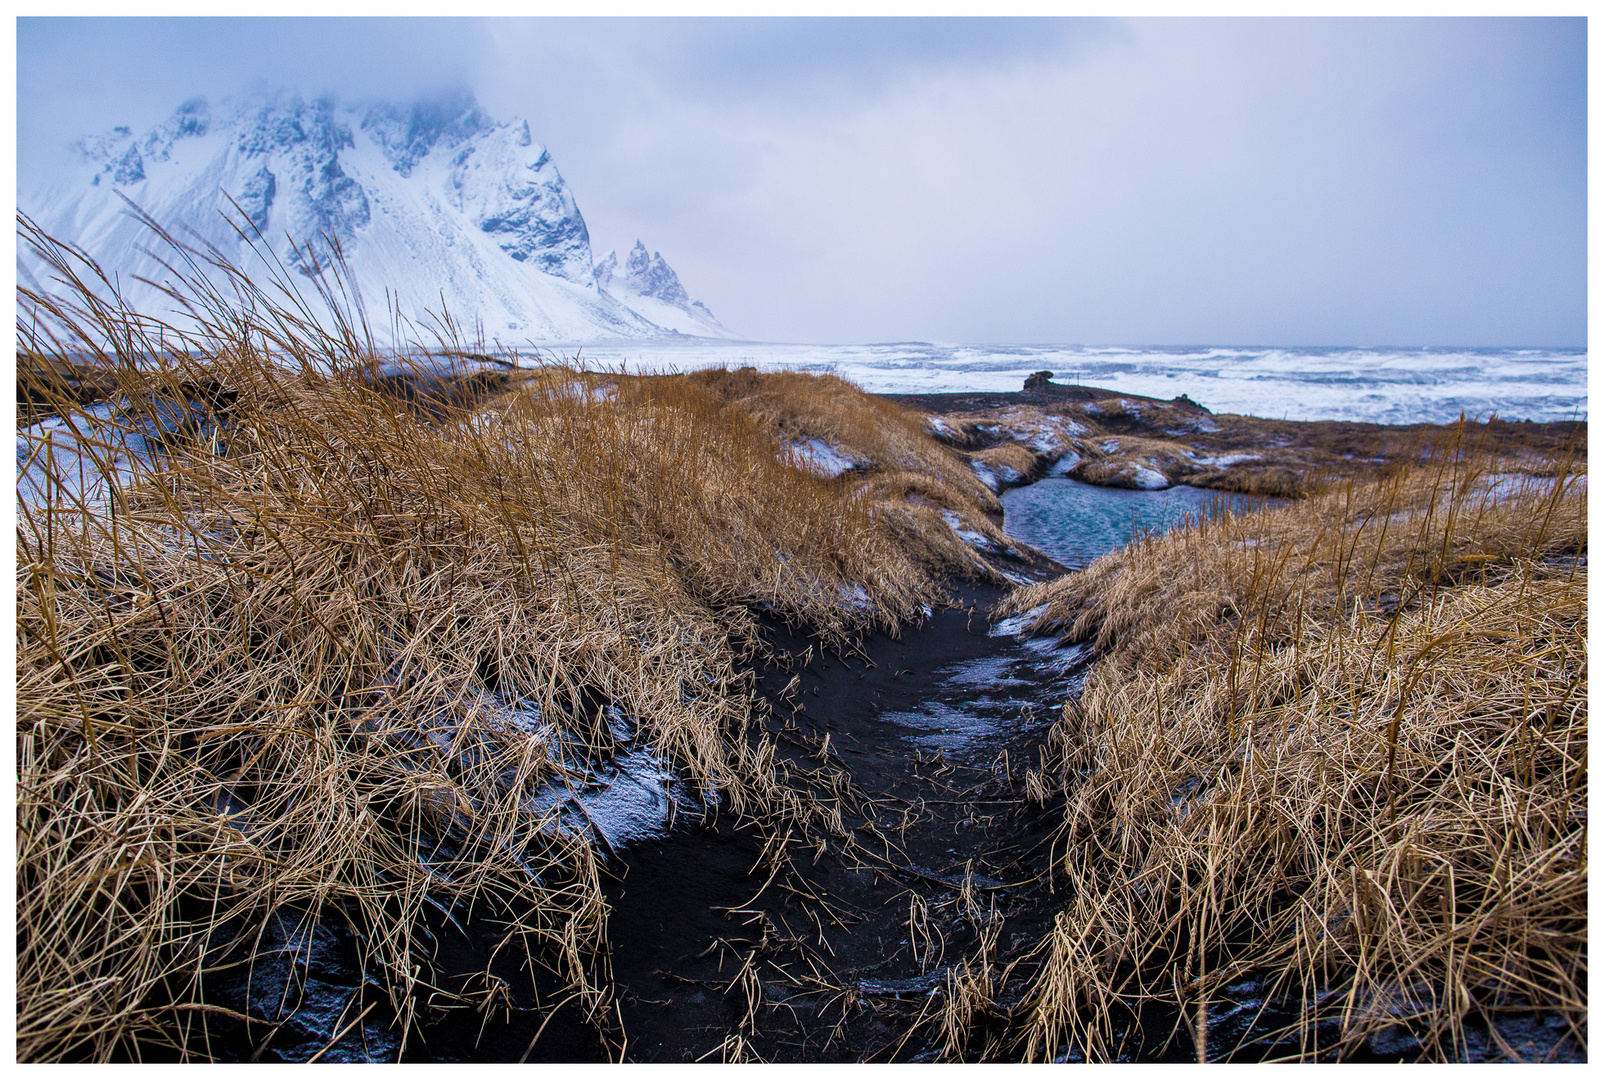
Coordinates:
[432,205]
[650,286]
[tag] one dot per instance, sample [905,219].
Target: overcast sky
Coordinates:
[1224,181]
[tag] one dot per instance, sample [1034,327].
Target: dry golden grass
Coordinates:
[1340,745]
[336,652]
[1011,455]
[1270,481]
[910,482]
[889,438]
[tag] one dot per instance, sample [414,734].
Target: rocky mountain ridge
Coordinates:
[650,286]
[435,210]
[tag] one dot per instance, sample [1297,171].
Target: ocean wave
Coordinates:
[1360,383]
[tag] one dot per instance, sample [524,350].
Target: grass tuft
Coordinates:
[1339,747]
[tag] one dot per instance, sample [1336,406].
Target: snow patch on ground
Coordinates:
[1065,465]
[1148,479]
[1109,446]
[98,449]
[977,540]
[987,476]
[1062,658]
[590,395]
[1501,486]
[1225,460]
[940,427]
[1015,625]
[633,800]
[820,458]
[632,797]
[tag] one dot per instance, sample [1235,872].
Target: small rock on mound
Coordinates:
[1186,404]
[1038,381]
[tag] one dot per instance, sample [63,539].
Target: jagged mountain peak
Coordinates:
[652,287]
[429,202]
[409,132]
[652,276]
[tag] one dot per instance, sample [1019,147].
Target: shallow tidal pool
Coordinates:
[1075,522]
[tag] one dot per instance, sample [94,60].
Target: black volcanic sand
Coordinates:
[931,733]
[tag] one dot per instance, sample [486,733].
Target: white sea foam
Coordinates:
[1381,385]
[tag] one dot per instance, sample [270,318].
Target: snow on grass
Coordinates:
[1065,465]
[987,476]
[856,597]
[977,540]
[1224,460]
[820,458]
[1148,478]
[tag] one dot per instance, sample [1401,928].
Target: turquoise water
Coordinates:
[1075,522]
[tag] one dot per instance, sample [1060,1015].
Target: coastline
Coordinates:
[816,782]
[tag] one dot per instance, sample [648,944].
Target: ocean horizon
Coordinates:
[1375,384]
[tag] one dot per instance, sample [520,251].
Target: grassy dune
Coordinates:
[334,643]
[1340,746]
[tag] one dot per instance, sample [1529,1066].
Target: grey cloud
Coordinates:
[1291,181]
